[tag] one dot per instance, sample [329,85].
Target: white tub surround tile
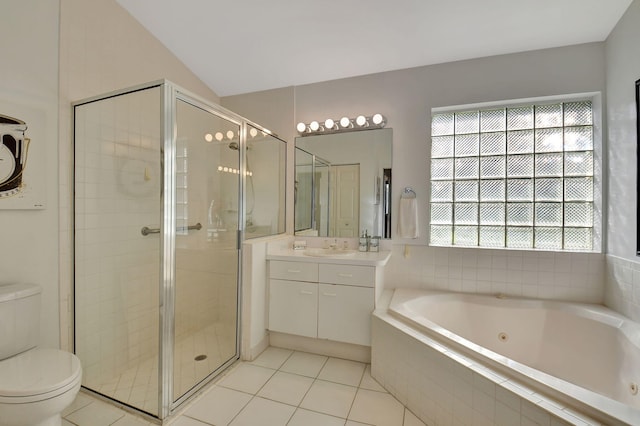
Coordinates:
[442,387]
[577,277]
[622,289]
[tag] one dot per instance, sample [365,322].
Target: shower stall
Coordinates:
[159,217]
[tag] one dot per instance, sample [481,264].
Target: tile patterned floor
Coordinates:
[138,385]
[281,387]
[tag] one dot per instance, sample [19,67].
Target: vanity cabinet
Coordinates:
[322,300]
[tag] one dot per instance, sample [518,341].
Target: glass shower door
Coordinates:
[207,188]
[118,184]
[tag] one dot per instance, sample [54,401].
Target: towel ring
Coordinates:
[408,193]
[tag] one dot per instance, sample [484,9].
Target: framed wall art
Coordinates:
[22,156]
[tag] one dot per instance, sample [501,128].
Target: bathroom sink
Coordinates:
[320,252]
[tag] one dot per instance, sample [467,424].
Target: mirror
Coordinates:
[343,184]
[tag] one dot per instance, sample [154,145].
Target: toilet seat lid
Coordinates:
[37,371]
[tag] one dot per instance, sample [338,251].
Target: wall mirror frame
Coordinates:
[637,164]
[343,184]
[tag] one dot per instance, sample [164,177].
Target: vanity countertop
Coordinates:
[357,258]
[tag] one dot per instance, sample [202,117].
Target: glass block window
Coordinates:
[516,177]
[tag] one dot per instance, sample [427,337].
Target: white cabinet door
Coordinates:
[344,313]
[293,307]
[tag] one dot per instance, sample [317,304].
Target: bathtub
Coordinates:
[576,361]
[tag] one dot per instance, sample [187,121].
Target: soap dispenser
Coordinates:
[363,243]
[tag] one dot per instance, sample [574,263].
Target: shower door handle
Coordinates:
[146,230]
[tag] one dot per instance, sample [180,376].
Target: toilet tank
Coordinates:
[19,318]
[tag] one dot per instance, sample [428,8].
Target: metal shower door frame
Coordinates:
[171,95]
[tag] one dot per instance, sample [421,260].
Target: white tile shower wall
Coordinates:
[577,277]
[622,289]
[117,185]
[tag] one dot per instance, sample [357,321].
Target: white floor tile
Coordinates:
[129,420]
[187,421]
[263,412]
[247,378]
[342,371]
[410,419]
[81,400]
[377,408]
[369,382]
[329,398]
[286,387]
[97,413]
[272,357]
[304,364]
[304,417]
[326,391]
[218,406]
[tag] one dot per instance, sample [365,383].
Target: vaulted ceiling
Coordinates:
[240,46]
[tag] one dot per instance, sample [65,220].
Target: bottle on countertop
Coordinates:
[363,244]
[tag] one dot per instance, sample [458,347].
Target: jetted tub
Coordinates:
[586,356]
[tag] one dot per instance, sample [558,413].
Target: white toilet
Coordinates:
[35,384]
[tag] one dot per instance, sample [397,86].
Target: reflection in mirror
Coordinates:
[311,194]
[343,184]
[264,184]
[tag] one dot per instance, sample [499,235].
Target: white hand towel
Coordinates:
[408,218]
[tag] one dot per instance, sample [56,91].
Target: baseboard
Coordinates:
[321,346]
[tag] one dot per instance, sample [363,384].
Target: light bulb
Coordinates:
[301,127]
[314,126]
[253,132]
[344,122]
[377,119]
[208,137]
[219,136]
[230,134]
[329,123]
[361,120]
[219,168]
[226,169]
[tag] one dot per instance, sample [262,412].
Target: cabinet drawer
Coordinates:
[297,271]
[293,307]
[363,276]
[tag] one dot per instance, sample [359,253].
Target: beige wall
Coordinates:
[623,69]
[406,97]
[29,238]
[102,48]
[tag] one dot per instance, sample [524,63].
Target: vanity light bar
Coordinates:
[231,170]
[219,136]
[345,124]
